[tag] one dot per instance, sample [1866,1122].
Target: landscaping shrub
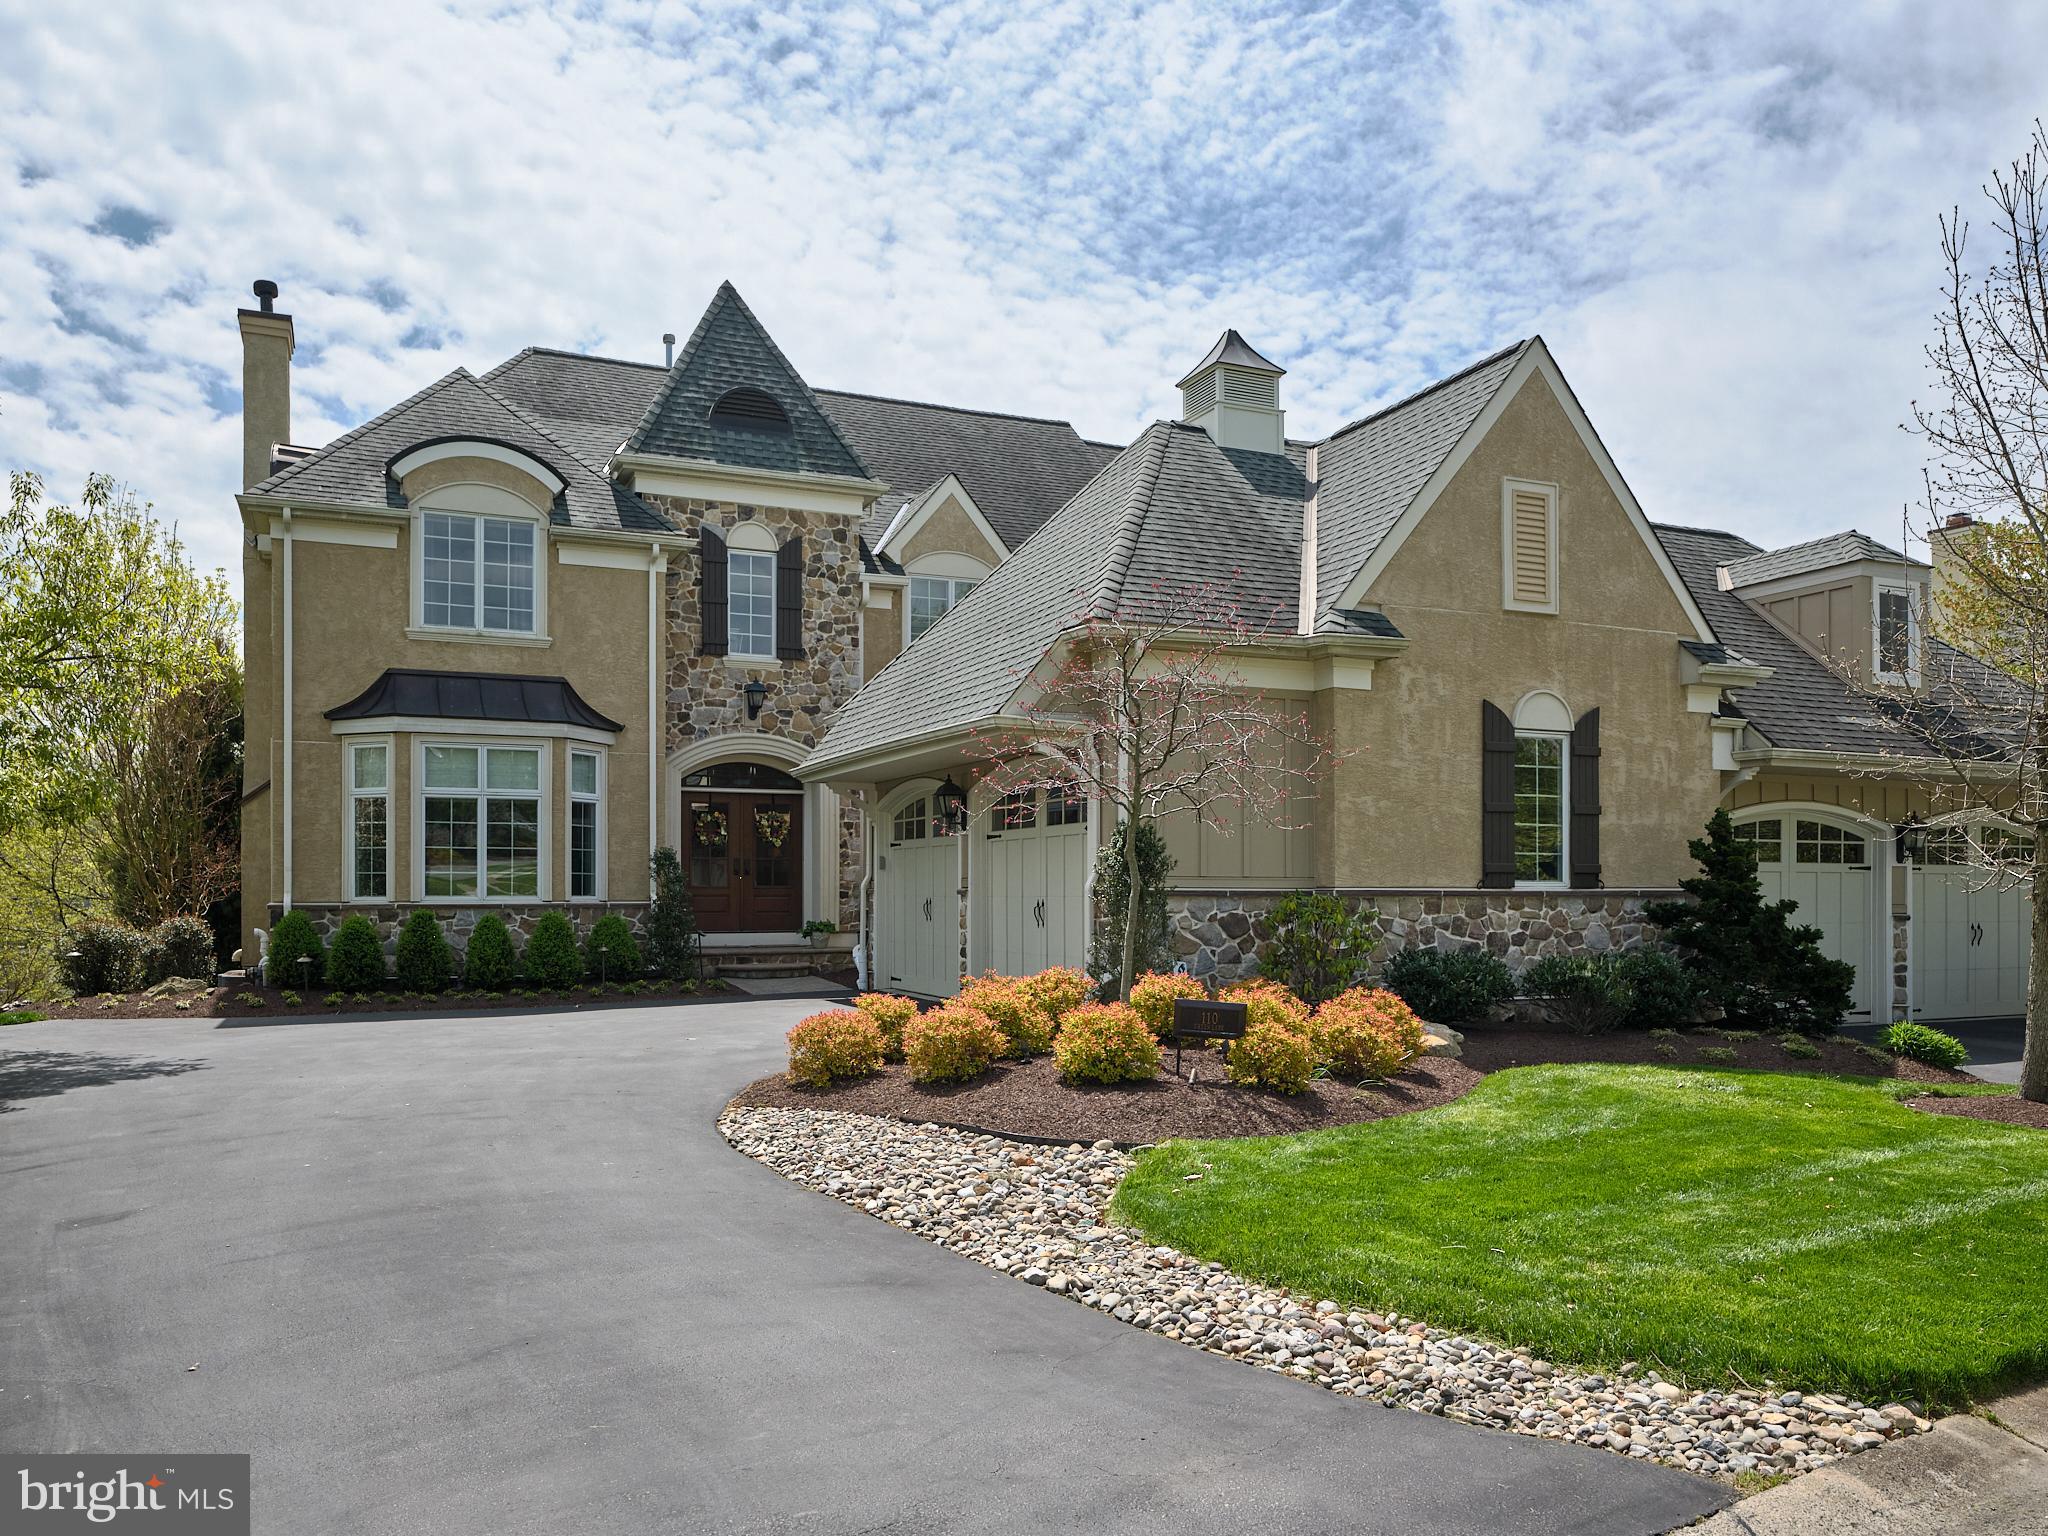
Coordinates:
[1587,994]
[1924,1044]
[291,940]
[1271,1055]
[1105,1043]
[109,957]
[1365,1032]
[891,1015]
[180,946]
[671,921]
[833,1047]
[490,961]
[1450,986]
[1320,945]
[355,961]
[1027,1028]
[1153,996]
[1059,990]
[1112,899]
[950,1045]
[426,963]
[1661,990]
[552,960]
[1267,1002]
[1746,953]
[1799,1047]
[610,952]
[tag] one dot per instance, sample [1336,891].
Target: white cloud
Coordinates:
[1722,221]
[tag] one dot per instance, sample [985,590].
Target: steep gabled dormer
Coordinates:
[1855,603]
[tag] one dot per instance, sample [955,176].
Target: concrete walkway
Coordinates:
[1969,1475]
[501,1275]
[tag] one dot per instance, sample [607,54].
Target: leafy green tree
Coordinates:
[1320,944]
[1746,953]
[1116,933]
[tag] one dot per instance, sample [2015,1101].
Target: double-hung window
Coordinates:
[369,821]
[586,826]
[480,821]
[932,596]
[1898,639]
[476,573]
[750,600]
[1540,809]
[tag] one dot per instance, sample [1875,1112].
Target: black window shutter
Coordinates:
[1585,839]
[711,593]
[789,600]
[1496,799]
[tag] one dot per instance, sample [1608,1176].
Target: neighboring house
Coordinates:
[511,635]
[520,629]
[1539,697]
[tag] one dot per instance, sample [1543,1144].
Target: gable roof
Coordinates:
[354,469]
[1843,548]
[1170,511]
[730,350]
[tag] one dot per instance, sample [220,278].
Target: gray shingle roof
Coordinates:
[730,350]
[1814,555]
[1369,472]
[1170,511]
[354,468]
[590,403]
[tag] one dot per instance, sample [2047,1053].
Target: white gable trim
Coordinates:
[917,511]
[476,448]
[1535,359]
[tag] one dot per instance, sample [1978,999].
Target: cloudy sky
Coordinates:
[1722,218]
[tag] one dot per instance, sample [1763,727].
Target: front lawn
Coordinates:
[1721,1226]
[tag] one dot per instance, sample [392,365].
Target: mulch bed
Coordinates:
[228,1002]
[1026,1099]
[2011,1109]
[1492,1050]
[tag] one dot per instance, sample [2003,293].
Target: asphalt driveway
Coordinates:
[501,1275]
[1995,1045]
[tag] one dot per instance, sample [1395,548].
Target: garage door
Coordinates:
[1970,937]
[917,906]
[1827,870]
[1032,874]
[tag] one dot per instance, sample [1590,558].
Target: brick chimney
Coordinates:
[266,382]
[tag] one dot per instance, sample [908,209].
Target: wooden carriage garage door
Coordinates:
[1828,870]
[1032,872]
[917,904]
[1970,936]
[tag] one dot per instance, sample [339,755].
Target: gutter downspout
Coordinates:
[867,888]
[1091,844]
[657,570]
[286,774]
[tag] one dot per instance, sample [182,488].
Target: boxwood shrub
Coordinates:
[292,940]
[355,961]
[490,962]
[611,952]
[552,959]
[426,963]
[1450,986]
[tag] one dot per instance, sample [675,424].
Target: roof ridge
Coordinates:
[1428,389]
[588,357]
[268,482]
[594,471]
[1829,538]
[1715,533]
[958,410]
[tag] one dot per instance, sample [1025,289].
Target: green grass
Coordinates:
[20,1016]
[1724,1226]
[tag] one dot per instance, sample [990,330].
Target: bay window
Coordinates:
[586,826]
[480,814]
[368,827]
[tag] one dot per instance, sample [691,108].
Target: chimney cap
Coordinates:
[668,338]
[1959,520]
[265,291]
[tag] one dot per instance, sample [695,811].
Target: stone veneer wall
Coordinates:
[704,692]
[459,922]
[1222,932]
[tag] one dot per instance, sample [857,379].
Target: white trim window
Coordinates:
[480,819]
[750,604]
[1895,635]
[368,828]
[586,826]
[1542,811]
[478,573]
[932,597]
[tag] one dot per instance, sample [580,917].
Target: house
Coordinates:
[525,627]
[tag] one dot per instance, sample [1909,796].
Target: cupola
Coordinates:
[1233,394]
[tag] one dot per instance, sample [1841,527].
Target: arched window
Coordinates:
[747,409]
[742,776]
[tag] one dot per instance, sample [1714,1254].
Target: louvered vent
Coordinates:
[1532,580]
[749,410]
[1199,396]
[1244,388]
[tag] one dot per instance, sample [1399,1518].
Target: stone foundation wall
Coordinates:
[1222,933]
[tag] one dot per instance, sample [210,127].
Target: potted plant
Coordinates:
[818,930]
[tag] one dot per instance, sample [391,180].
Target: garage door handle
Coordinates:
[927,909]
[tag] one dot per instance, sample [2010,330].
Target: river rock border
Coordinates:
[1040,1215]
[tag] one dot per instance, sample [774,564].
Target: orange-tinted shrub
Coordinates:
[1366,1032]
[1059,990]
[1153,994]
[1105,1043]
[951,1045]
[832,1047]
[1268,1002]
[1270,1055]
[1027,1027]
[891,1014]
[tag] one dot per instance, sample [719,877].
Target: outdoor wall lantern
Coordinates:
[1909,839]
[756,693]
[950,802]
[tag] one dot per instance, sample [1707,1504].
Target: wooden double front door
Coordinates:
[745,859]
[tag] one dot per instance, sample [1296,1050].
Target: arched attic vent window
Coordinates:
[749,410]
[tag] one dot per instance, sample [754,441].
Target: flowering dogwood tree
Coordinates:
[1141,711]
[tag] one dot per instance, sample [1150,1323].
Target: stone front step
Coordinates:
[757,960]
